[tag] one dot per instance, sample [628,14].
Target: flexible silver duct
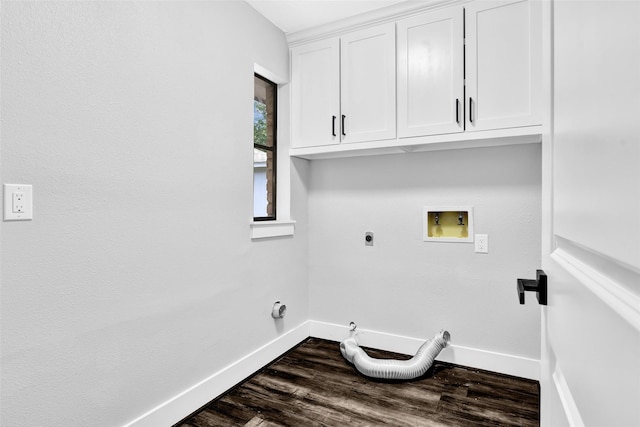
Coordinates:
[391,369]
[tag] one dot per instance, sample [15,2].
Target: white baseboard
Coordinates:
[190,400]
[176,408]
[476,358]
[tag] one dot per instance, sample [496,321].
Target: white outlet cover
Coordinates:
[27,202]
[482,243]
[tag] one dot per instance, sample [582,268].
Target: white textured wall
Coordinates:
[137,278]
[408,287]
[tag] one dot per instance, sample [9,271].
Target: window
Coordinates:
[264,149]
[265,224]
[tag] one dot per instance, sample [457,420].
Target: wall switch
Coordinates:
[482,243]
[18,202]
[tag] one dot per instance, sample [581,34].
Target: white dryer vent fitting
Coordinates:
[392,369]
[279,310]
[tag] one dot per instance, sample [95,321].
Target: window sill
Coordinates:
[264,229]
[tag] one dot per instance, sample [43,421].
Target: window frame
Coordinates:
[274,152]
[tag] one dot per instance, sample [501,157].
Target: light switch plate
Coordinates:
[18,202]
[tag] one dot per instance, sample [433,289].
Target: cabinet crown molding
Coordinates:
[379,16]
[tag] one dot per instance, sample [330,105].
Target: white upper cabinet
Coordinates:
[368,84]
[343,89]
[431,73]
[315,91]
[504,64]
[467,75]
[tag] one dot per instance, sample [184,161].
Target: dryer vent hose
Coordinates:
[392,369]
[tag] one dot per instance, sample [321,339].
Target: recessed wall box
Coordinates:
[447,224]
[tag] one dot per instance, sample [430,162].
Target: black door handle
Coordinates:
[343,132]
[333,126]
[470,110]
[539,286]
[457,111]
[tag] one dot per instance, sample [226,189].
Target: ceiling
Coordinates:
[296,15]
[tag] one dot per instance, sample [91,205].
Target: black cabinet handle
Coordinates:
[539,286]
[343,132]
[470,109]
[333,126]
[457,111]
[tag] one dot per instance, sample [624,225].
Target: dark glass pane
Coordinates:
[259,183]
[263,112]
[264,149]
[263,184]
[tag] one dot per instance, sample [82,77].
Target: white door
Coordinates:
[503,56]
[368,79]
[315,93]
[591,229]
[431,73]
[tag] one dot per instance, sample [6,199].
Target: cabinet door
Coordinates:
[315,93]
[504,64]
[368,83]
[431,73]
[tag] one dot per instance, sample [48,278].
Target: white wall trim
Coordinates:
[268,74]
[176,408]
[566,398]
[375,17]
[460,355]
[264,229]
[621,300]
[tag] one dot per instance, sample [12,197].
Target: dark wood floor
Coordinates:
[313,385]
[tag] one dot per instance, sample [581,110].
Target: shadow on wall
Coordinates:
[477,168]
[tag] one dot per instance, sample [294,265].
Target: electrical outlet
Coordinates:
[18,202]
[482,243]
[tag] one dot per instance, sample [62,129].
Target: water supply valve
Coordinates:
[539,286]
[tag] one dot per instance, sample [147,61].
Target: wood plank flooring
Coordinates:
[313,385]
